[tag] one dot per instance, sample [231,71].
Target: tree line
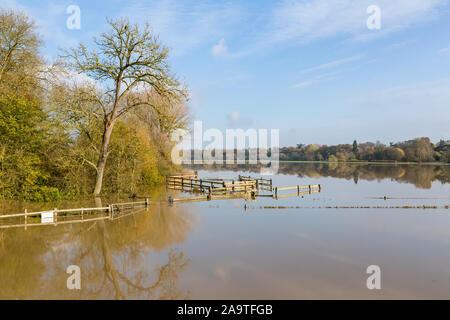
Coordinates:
[416,150]
[96,120]
[422,176]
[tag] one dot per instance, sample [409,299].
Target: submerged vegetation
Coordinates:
[97,120]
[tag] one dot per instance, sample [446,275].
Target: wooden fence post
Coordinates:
[111,211]
[26,211]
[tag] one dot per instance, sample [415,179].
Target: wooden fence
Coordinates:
[245,184]
[209,197]
[260,182]
[209,186]
[66,216]
[312,188]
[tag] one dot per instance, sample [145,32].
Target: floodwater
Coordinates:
[301,247]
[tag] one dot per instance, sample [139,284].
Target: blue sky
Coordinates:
[309,68]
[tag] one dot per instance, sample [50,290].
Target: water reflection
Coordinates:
[134,258]
[219,250]
[420,175]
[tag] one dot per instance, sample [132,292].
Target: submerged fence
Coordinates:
[66,216]
[221,189]
[191,183]
[312,188]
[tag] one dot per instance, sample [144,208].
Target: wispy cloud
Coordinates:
[306,21]
[444,51]
[185,25]
[332,74]
[317,78]
[237,77]
[220,49]
[432,95]
[302,22]
[332,64]
[400,45]
[235,119]
[50,19]
[190,24]
[423,108]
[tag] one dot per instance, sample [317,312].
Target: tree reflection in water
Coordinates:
[115,258]
[420,175]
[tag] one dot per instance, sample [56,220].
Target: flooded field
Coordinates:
[301,247]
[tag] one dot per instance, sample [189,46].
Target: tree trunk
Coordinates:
[103,156]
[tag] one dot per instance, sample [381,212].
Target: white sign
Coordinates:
[47,217]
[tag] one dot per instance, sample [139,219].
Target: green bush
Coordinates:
[43,194]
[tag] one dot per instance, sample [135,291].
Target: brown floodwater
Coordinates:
[302,247]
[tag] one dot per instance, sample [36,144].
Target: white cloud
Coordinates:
[303,84]
[306,21]
[185,25]
[220,49]
[315,79]
[331,75]
[444,50]
[238,77]
[391,114]
[235,119]
[424,103]
[400,45]
[301,22]
[332,64]
[50,19]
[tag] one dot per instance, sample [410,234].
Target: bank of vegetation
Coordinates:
[416,150]
[96,120]
[420,175]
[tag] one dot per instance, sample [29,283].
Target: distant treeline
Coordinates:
[417,150]
[422,176]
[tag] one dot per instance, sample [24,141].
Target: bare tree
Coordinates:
[19,45]
[129,64]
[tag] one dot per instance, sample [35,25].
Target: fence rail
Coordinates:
[245,184]
[209,186]
[52,217]
[311,188]
[259,181]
